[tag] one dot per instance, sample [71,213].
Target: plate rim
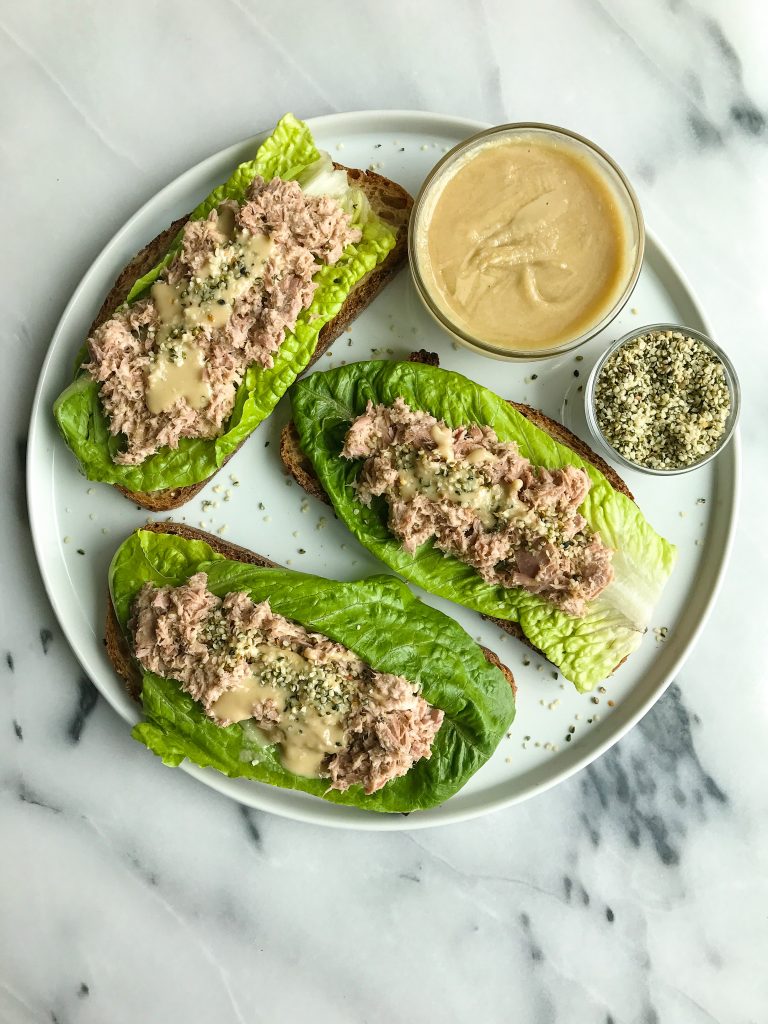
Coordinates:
[320,812]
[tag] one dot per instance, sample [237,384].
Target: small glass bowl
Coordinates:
[626,200]
[730,377]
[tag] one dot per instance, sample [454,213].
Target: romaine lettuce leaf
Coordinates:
[586,650]
[288,152]
[379,618]
[322,179]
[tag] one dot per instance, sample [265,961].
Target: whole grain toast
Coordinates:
[116,644]
[388,200]
[300,468]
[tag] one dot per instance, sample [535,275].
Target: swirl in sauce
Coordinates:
[525,247]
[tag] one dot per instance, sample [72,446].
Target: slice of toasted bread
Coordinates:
[116,644]
[300,468]
[388,200]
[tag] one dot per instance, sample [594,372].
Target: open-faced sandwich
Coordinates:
[484,502]
[354,692]
[210,323]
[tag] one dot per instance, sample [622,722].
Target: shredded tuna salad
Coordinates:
[482,502]
[169,365]
[323,706]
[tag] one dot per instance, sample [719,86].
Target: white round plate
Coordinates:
[77,525]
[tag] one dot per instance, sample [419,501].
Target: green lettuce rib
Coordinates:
[288,152]
[585,649]
[378,618]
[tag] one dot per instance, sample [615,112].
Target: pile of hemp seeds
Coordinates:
[662,400]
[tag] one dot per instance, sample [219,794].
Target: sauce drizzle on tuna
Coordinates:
[329,714]
[238,283]
[478,499]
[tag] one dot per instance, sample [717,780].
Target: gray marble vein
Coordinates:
[59,87]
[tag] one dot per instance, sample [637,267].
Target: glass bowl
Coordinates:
[614,178]
[733,389]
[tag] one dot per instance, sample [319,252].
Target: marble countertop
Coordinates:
[635,892]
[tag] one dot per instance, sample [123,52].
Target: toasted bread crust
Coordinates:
[300,468]
[116,644]
[390,202]
[298,465]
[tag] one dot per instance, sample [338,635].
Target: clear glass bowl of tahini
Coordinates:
[643,414]
[525,241]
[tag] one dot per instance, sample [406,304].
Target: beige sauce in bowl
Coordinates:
[524,246]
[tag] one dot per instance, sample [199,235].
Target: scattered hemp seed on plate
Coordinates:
[662,400]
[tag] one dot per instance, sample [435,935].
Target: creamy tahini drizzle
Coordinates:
[180,377]
[304,735]
[205,301]
[443,438]
[420,473]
